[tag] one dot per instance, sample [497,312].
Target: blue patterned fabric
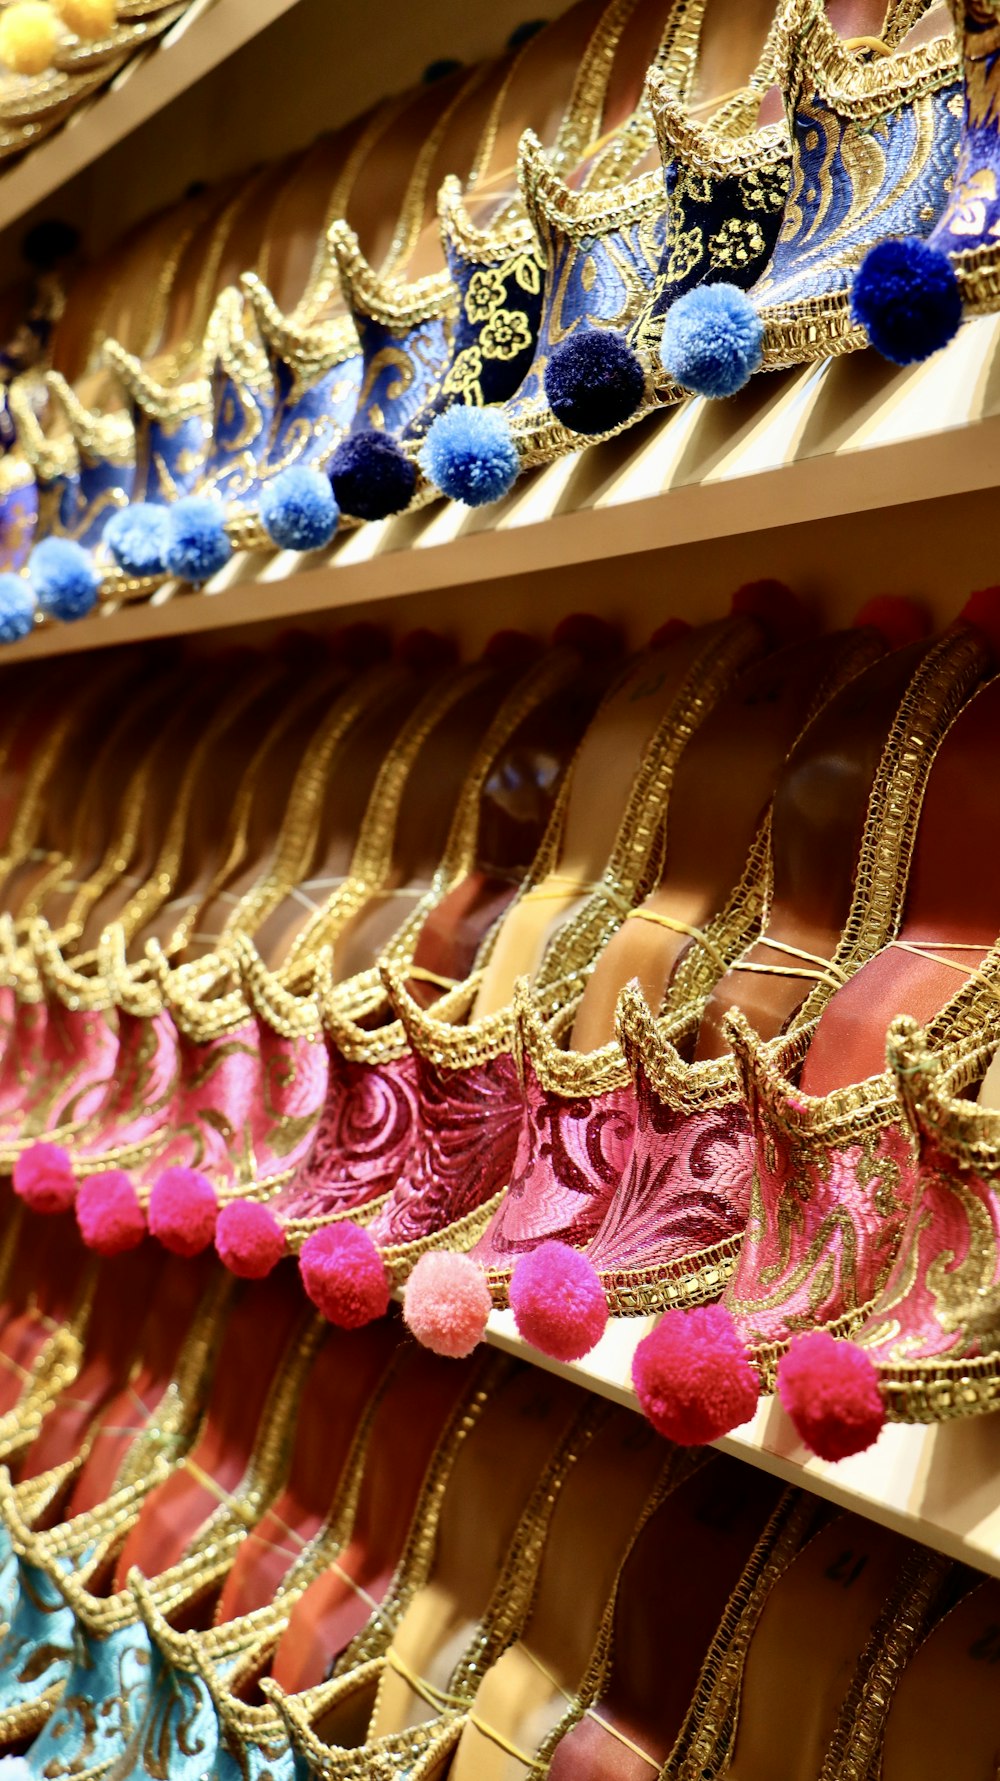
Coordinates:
[309,420]
[102,1707]
[260,1762]
[37,1650]
[18,519]
[971,219]
[241,416]
[84,500]
[401,368]
[169,456]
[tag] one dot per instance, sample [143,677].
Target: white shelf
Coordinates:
[209,32]
[852,441]
[939,1485]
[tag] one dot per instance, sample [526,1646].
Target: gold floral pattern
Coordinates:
[684,250]
[505,335]
[737,242]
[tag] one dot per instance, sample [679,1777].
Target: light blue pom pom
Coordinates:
[197,545]
[137,538]
[470,455]
[713,340]
[298,508]
[17,608]
[64,578]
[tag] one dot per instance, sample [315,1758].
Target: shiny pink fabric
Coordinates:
[139,1098]
[362,1140]
[686,1187]
[72,1062]
[465,1147]
[210,1122]
[823,1231]
[22,1056]
[942,1298]
[571,1155]
[286,1111]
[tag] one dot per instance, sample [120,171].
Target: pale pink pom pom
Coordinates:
[446,1302]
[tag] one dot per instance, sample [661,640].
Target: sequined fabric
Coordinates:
[365,1134]
[142,1087]
[210,1120]
[71,1064]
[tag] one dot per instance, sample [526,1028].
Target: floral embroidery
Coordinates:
[766,188]
[696,186]
[736,243]
[505,335]
[463,376]
[685,250]
[485,294]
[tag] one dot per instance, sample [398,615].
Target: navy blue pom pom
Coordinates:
[594,381]
[64,578]
[470,455]
[197,545]
[137,538]
[906,297]
[298,508]
[17,608]
[372,476]
[713,340]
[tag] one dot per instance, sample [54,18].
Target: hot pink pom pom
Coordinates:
[692,1376]
[249,1239]
[344,1275]
[831,1392]
[446,1303]
[183,1210]
[43,1178]
[109,1214]
[558,1301]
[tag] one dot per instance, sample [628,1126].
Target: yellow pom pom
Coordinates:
[29,36]
[88,18]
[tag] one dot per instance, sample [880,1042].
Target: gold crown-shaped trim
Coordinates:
[309,351]
[482,247]
[108,438]
[548,198]
[389,301]
[49,459]
[157,401]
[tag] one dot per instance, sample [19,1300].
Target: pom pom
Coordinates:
[109,1214]
[17,608]
[831,1392]
[513,651]
[89,19]
[359,646]
[16,1768]
[137,538]
[692,1376]
[64,579]
[197,545]
[776,608]
[470,455]
[898,619]
[43,1178]
[596,639]
[248,1239]
[371,475]
[558,1301]
[344,1275]
[298,509]
[594,381]
[182,1211]
[446,1303]
[29,36]
[669,633]
[427,652]
[713,340]
[982,609]
[906,297]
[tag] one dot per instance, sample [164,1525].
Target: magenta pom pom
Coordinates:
[831,1392]
[108,1213]
[43,1178]
[183,1210]
[692,1376]
[558,1301]
[248,1239]
[446,1303]
[344,1275]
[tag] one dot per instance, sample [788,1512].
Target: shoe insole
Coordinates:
[945,1718]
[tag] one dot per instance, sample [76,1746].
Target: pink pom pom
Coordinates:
[43,1178]
[900,620]
[446,1303]
[831,1392]
[344,1275]
[692,1376]
[109,1214]
[558,1301]
[248,1239]
[183,1210]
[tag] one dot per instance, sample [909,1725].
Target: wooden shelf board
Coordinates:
[849,437]
[209,32]
[939,1484]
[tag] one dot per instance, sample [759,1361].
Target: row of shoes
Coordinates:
[645,198]
[589,989]
[282,1550]
[54,54]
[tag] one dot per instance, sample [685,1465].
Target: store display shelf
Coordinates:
[936,1484]
[848,437]
[209,32]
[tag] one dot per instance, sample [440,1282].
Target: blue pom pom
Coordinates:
[197,545]
[371,475]
[713,340]
[470,455]
[906,297]
[17,608]
[64,578]
[137,538]
[594,381]
[298,509]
